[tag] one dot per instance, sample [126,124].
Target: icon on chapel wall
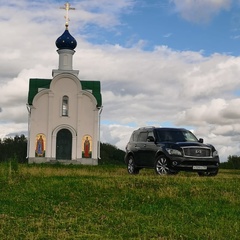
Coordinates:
[40,145]
[87,146]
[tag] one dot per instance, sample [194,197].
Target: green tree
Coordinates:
[14,148]
[111,154]
[232,163]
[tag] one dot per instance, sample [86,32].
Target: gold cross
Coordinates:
[67,8]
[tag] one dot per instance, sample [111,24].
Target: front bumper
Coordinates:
[194,164]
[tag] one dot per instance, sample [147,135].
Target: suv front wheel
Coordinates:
[131,166]
[161,165]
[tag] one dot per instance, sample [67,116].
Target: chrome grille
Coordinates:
[197,152]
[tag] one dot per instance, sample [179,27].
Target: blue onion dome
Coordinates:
[66,41]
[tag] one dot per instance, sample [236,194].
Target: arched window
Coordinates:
[65,106]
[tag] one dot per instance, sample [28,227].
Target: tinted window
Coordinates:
[189,136]
[142,137]
[150,134]
[134,137]
[175,136]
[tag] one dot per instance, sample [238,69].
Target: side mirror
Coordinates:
[150,139]
[200,140]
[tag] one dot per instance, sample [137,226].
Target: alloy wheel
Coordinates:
[161,165]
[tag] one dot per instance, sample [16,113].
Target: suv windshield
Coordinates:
[176,135]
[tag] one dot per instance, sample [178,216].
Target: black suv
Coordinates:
[170,150]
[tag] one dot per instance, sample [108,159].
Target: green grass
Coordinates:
[104,202]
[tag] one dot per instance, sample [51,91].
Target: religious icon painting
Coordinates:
[87,146]
[40,145]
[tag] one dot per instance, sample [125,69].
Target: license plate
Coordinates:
[199,167]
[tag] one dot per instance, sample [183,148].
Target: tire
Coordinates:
[131,166]
[161,165]
[208,174]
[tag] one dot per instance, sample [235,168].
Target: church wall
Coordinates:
[39,119]
[88,124]
[65,87]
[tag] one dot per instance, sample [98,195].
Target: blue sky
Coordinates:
[159,23]
[160,62]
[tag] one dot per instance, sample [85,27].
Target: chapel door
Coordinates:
[64,145]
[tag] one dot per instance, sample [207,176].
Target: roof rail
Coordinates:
[146,127]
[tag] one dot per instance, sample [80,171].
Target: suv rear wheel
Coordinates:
[161,165]
[131,166]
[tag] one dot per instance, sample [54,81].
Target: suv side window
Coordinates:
[142,137]
[134,137]
[163,135]
[150,137]
[150,134]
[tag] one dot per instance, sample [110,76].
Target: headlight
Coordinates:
[215,154]
[173,152]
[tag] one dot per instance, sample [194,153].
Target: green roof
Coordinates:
[36,83]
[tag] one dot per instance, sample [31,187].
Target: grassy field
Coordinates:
[104,202]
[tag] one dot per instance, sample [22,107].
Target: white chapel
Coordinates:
[64,113]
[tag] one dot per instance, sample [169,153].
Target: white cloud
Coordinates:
[200,11]
[117,135]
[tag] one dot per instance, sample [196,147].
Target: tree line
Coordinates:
[232,163]
[16,148]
